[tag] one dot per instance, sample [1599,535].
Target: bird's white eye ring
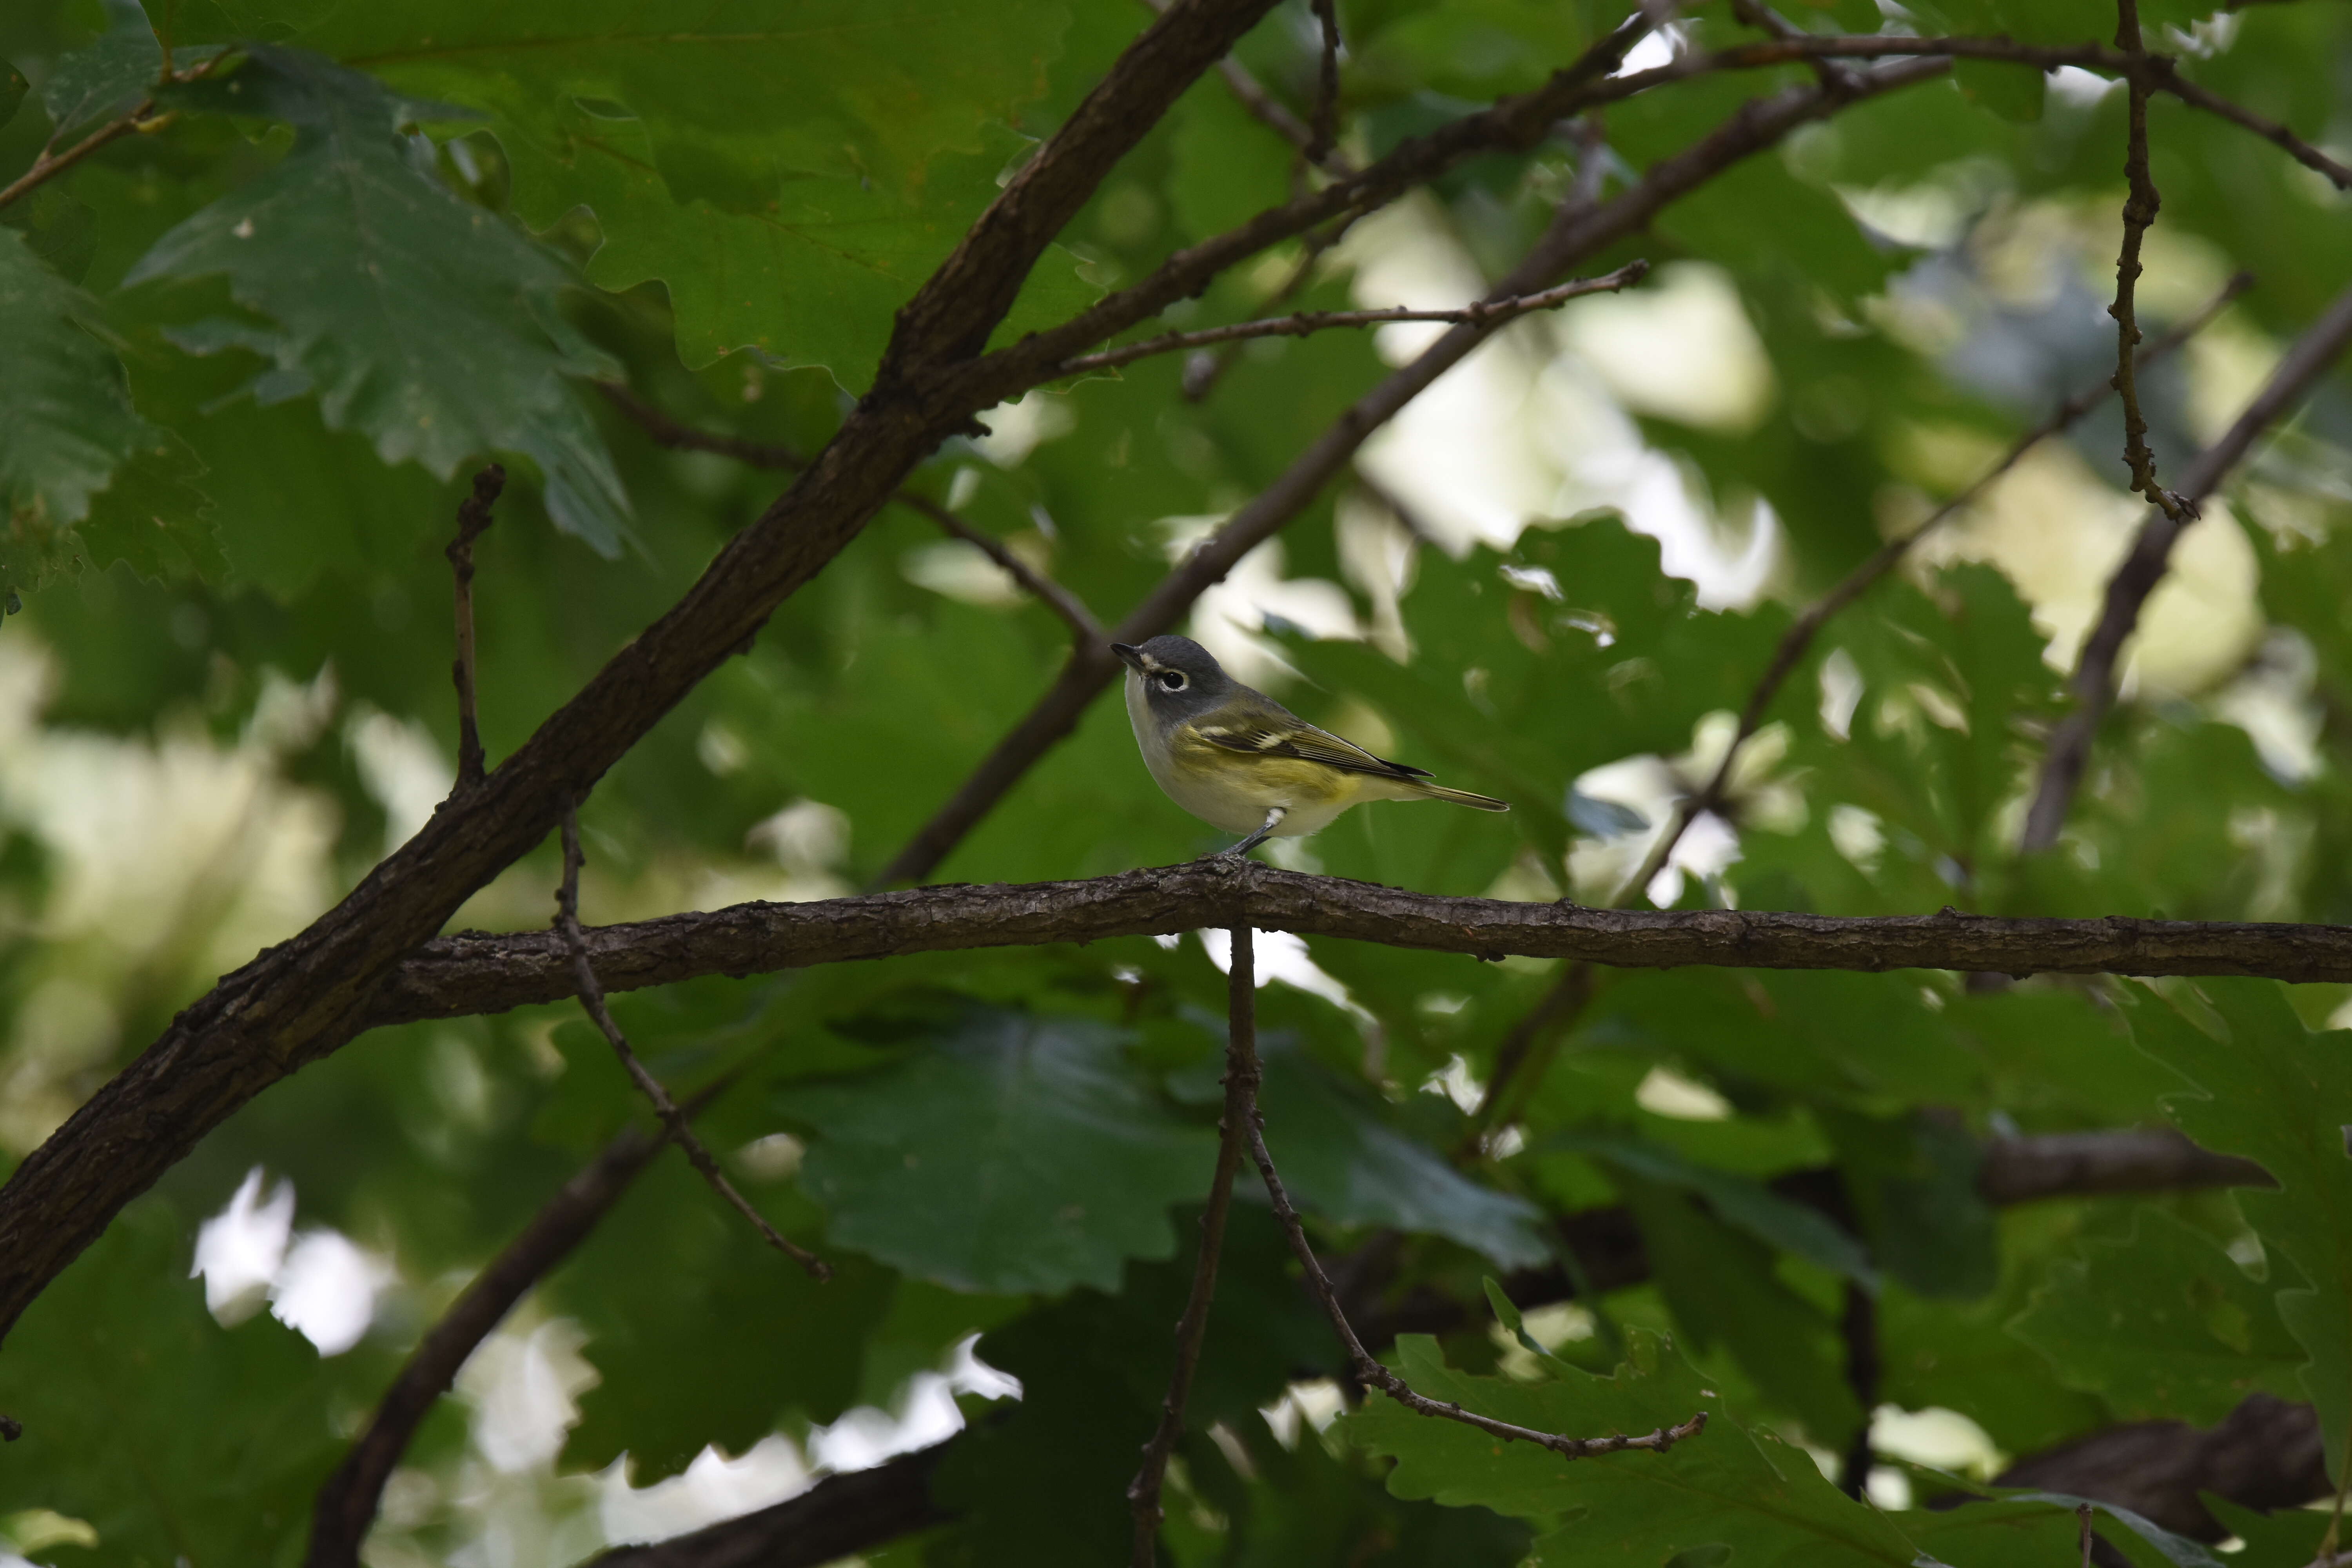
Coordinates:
[1173,679]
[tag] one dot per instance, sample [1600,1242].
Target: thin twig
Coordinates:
[2069,747]
[592,1000]
[45,167]
[1798,639]
[1372,1375]
[1271,111]
[681,437]
[348,1501]
[138,119]
[1192,1327]
[1304,322]
[2082,1512]
[2169,78]
[2141,203]
[1324,128]
[473,518]
[1206,367]
[1758,15]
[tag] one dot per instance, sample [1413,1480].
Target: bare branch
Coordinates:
[1579,231]
[475,972]
[2140,205]
[137,119]
[591,1001]
[473,519]
[1327,84]
[681,437]
[1798,641]
[1483,312]
[2169,78]
[347,1503]
[1270,111]
[1192,1327]
[1372,1375]
[2162,72]
[2069,747]
[142,117]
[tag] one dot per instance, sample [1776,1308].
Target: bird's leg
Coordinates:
[1266,830]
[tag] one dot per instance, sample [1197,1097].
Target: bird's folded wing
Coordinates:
[1306,743]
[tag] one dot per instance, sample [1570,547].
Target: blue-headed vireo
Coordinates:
[1238,760]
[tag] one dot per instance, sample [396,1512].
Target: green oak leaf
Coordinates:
[1015,1153]
[106,75]
[2272,1090]
[1341,1159]
[1738,1201]
[1722,1290]
[788,169]
[420,320]
[810,276]
[84,478]
[2162,1324]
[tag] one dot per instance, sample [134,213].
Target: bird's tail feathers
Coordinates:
[1459,796]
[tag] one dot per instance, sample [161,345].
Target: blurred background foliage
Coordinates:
[253,353]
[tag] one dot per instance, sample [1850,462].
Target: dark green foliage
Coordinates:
[250,357]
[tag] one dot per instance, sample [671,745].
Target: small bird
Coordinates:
[1238,760]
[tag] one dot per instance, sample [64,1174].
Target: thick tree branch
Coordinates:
[1303,323]
[472,972]
[678,435]
[299,1001]
[591,1002]
[2069,749]
[1192,1327]
[1580,231]
[1798,641]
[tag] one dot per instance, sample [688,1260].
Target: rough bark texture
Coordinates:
[472,972]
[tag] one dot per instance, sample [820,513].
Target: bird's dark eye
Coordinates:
[1173,679]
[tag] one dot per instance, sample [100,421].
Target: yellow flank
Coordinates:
[1284,781]
[1235,790]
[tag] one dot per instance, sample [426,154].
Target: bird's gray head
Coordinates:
[1179,676]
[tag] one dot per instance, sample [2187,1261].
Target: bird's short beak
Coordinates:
[1129,653]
